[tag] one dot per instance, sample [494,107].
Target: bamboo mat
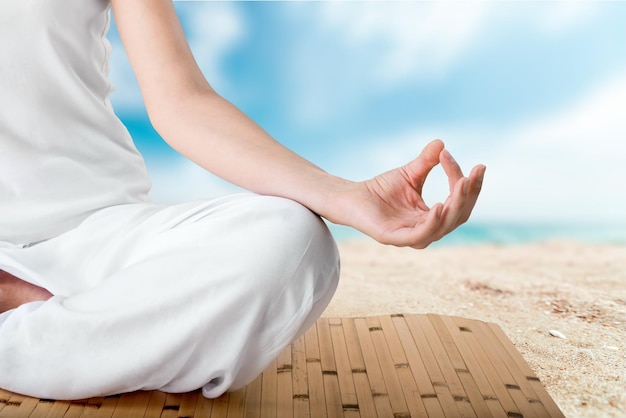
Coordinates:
[393,366]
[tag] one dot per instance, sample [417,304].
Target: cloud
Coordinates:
[213,30]
[567,166]
[415,40]
[348,51]
[176,179]
[560,17]
[126,96]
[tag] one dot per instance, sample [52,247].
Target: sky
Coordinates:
[534,90]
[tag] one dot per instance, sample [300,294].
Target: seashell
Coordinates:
[557,334]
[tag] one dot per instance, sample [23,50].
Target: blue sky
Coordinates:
[535,90]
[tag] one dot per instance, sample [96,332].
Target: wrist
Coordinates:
[333,203]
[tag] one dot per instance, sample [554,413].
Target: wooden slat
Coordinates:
[155,405]
[18,406]
[374,373]
[470,386]
[317,398]
[434,372]
[347,391]
[5,395]
[519,388]
[485,363]
[101,407]
[58,409]
[334,409]
[400,362]
[477,374]
[219,409]
[27,407]
[367,408]
[447,368]
[41,409]
[132,405]
[204,407]
[74,410]
[171,406]
[300,382]
[253,398]
[188,403]
[388,366]
[284,398]
[548,403]
[90,407]
[269,388]
[236,403]
[418,369]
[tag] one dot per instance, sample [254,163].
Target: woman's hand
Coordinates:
[390,208]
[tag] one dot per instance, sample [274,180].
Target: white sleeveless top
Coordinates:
[63,152]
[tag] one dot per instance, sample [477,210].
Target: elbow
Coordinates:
[168,111]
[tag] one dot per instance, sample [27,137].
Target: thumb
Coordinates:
[418,169]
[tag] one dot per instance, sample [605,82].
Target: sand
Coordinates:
[529,290]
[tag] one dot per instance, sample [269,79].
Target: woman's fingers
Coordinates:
[475,182]
[454,207]
[451,168]
[426,233]
[416,225]
[418,169]
[461,202]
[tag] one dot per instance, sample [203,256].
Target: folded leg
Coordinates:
[203,294]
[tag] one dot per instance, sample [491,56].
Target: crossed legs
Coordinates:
[201,294]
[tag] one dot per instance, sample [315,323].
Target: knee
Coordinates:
[268,243]
[300,230]
[298,284]
[301,243]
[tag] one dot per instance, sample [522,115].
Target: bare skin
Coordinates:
[15,292]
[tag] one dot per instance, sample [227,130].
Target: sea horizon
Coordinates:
[513,233]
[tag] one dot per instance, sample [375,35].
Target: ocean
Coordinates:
[501,233]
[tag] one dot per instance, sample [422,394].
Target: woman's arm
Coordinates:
[204,127]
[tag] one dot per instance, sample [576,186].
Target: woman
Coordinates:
[104,292]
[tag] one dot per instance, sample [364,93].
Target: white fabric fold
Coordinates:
[202,294]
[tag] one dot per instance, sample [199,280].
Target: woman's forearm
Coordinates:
[213,133]
[199,123]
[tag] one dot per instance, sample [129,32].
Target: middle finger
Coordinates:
[451,168]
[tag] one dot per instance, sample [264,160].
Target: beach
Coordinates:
[561,303]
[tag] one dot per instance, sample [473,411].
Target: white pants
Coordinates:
[202,294]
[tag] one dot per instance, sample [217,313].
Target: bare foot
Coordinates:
[15,292]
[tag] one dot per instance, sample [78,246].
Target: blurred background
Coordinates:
[534,90]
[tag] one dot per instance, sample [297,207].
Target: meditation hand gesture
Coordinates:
[390,207]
